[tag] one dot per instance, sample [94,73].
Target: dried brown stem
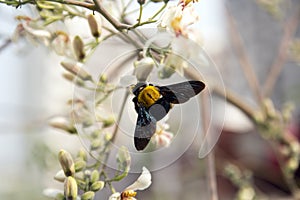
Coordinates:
[210,159]
[237,101]
[289,31]
[119,26]
[243,58]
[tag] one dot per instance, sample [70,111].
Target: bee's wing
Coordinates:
[181,92]
[145,128]
[160,109]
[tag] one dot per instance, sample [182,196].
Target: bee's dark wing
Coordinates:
[181,92]
[145,128]
[160,109]
[136,106]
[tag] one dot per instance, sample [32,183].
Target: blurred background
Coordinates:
[33,91]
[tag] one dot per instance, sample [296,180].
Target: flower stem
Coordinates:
[158,12]
[243,58]
[115,131]
[210,159]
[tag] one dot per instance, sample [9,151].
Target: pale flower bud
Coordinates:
[94,176]
[94,26]
[76,70]
[79,165]
[66,163]
[78,48]
[82,154]
[98,185]
[63,124]
[88,195]
[70,188]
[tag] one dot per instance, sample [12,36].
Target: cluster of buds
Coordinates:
[242,180]
[76,177]
[274,125]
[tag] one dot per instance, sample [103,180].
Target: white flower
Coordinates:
[127,80]
[161,137]
[33,33]
[143,68]
[142,183]
[184,3]
[177,19]
[61,44]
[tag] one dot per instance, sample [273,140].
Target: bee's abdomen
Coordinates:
[148,96]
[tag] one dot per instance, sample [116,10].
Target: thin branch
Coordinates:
[116,129]
[87,5]
[119,26]
[244,60]
[289,30]
[237,101]
[230,96]
[210,159]
[5,44]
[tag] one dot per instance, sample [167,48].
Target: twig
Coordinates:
[237,101]
[115,131]
[119,26]
[290,29]
[5,44]
[210,160]
[230,96]
[90,5]
[245,63]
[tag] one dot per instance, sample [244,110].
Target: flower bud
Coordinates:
[78,48]
[103,78]
[94,176]
[72,78]
[66,163]
[76,70]
[95,144]
[143,68]
[82,154]
[63,124]
[94,26]
[98,185]
[88,195]
[70,188]
[141,2]
[79,165]
[108,122]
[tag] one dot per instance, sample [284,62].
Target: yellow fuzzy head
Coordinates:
[148,96]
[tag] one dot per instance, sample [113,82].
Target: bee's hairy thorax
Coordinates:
[148,96]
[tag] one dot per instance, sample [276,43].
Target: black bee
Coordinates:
[152,103]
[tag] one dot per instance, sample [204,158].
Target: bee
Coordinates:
[152,103]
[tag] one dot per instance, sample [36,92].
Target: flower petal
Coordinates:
[143,182]
[52,193]
[127,80]
[115,196]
